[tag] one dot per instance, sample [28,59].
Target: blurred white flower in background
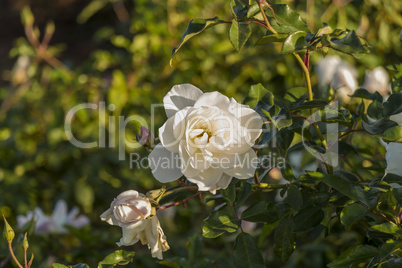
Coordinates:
[340,75]
[342,78]
[55,223]
[377,80]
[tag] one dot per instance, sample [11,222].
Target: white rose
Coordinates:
[377,80]
[207,138]
[131,211]
[394,151]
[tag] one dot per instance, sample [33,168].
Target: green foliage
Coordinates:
[219,222]
[246,252]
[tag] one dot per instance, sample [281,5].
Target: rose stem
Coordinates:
[180,202]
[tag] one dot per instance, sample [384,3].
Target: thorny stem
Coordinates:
[181,202]
[13,256]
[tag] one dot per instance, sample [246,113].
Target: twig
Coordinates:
[180,202]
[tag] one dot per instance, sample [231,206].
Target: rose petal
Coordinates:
[397,118]
[393,157]
[186,168]
[179,97]
[128,193]
[251,120]
[207,178]
[213,99]
[131,233]
[247,166]
[164,164]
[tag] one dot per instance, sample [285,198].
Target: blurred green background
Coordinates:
[118,52]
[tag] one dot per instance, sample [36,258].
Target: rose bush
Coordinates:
[132,211]
[210,135]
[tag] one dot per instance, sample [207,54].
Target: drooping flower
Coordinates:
[208,138]
[57,222]
[132,212]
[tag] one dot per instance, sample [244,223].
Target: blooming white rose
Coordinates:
[131,211]
[207,138]
[394,151]
[56,223]
[377,80]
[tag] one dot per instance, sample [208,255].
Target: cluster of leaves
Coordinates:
[290,29]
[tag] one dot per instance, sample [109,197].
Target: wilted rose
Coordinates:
[132,211]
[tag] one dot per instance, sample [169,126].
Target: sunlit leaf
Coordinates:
[219,222]
[194,28]
[239,34]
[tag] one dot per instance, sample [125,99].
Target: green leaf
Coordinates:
[309,105]
[388,247]
[219,222]
[392,263]
[271,37]
[194,28]
[229,194]
[396,83]
[119,257]
[379,127]
[266,231]
[285,239]
[243,192]
[388,228]
[307,218]
[296,94]
[354,255]
[281,120]
[393,105]
[347,42]
[80,265]
[316,38]
[392,178]
[294,42]
[294,197]
[353,191]
[239,34]
[364,94]
[58,265]
[239,10]
[375,109]
[246,252]
[393,134]
[287,20]
[261,212]
[258,93]
[352,213]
